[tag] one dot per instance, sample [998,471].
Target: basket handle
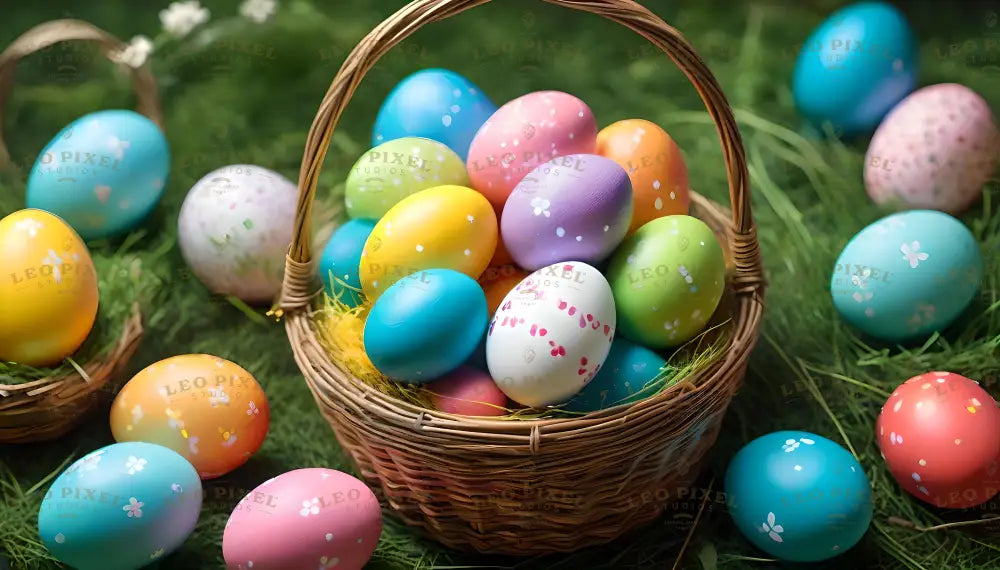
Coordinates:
[297,289]
[56,31]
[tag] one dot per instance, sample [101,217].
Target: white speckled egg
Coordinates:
[234,230]
[934,150]
[551,334]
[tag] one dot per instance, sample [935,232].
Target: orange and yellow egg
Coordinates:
[206,408]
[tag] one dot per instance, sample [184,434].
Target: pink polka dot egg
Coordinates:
[306,518]
[935,150]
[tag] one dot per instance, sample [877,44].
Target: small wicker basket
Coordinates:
[536,486]
[45,409]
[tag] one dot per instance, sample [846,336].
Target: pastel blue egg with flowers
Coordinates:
[907,275]
[437,104]
[798,496]
[855,67]
[120,507]
[103,173]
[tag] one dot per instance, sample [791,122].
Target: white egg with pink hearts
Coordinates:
[551,334]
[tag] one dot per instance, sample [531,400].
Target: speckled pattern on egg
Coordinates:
[939,434]
[234,230]
[575,207]
[934,150]
[525,133]
[552,334]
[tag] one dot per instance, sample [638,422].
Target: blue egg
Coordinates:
[478,358]
[103,173]
[907,275]
[437,104]
[626,370]
[855,67]
[426,325]
[121,507]
[338,266]
[798,496]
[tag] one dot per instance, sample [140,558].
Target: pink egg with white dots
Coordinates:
[939,433]
[306,518]
[524,133]
[935,150]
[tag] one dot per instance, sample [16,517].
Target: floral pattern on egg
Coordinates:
[575,207]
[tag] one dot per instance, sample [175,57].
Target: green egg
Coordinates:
[394,170]
[667,279]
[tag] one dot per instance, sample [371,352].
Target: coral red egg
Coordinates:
[940,435]
[469,392]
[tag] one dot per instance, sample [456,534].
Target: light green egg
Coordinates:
[667,280]
[394,170]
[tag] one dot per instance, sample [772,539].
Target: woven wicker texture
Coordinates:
[538,486]
[44,409]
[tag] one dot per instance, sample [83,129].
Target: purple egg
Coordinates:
[575,207]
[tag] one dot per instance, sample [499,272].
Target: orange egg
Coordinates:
[501,256]
[208,409]
[497,282]
[654,165]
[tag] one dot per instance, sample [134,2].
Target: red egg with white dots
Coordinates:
[940,436]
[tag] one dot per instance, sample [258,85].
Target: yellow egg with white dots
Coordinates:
[445,227]
[48,289]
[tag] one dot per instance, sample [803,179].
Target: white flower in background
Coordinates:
[258,10]
[135,53]
[181,17]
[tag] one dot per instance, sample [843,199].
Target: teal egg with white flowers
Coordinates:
[627,370]
[907,275]
[103,174]
[798,496]
[121,507]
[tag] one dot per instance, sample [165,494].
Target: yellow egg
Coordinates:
[48,289]
[445,227]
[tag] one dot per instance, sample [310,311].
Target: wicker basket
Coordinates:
[538,486]
[41,410]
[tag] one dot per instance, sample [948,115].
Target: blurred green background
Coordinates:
[249,94]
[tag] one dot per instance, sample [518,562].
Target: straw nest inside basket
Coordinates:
[340,329]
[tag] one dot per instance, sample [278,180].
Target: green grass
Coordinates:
[253,99]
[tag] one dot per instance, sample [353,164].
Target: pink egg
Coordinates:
[469,392]
[306,518]
[934,150]
[525,133]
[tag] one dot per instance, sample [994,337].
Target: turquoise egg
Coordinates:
[907,275]
[426,325]
[338,265]
[626,370]
[121,507]
[103,173]
[437,104]
[798,497]
[856,66]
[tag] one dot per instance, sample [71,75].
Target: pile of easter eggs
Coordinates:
[180,421]
[99,177]
[801,497]
[519,252]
